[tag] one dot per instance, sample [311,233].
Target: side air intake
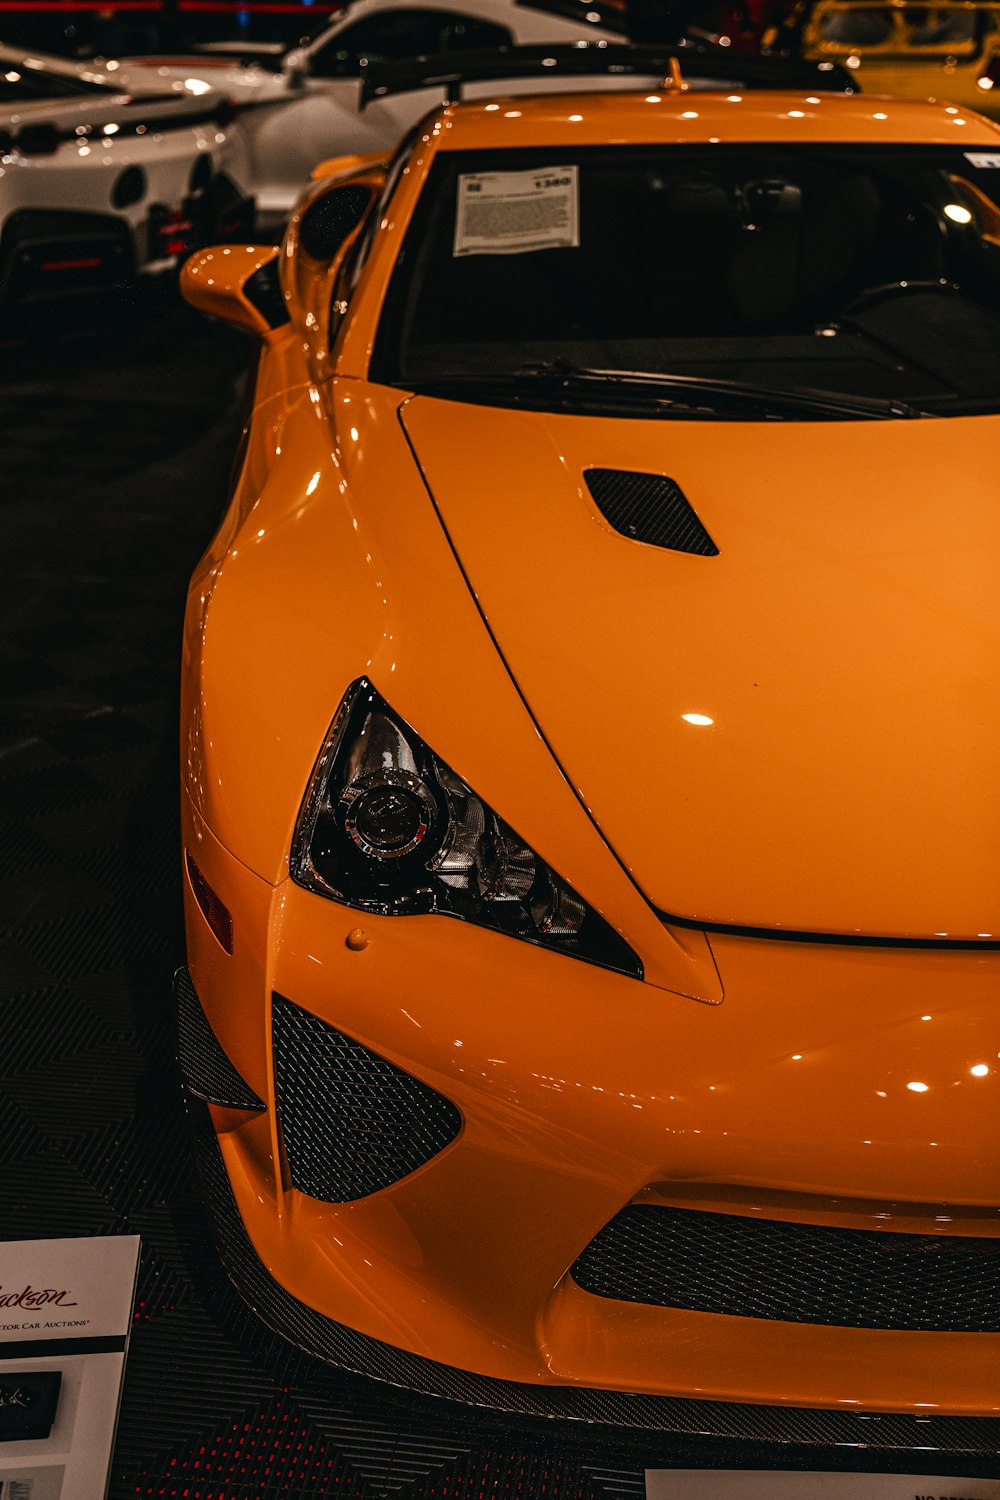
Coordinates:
[649,508]
[352,1122]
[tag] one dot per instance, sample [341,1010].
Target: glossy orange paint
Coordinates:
[796,643]
[797,1108]
[213,281]
[747,1075]
[337,166]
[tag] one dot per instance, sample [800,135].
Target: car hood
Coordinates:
[844,645]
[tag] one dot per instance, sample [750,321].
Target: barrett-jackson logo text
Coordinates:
[33,1297]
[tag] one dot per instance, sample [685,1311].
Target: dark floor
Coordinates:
[118,427]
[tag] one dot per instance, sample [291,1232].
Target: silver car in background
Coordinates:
[98,183]
[300,105]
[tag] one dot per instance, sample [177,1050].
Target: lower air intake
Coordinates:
[794,1273]
[352,1122]
[649,508]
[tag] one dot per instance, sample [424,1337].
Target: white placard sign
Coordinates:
[65,1318]
[765,1484]
[509,213]
[983,159]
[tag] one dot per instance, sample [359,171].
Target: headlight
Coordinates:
[388,827]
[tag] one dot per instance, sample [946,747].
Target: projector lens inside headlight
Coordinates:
[388,827]
[387,814]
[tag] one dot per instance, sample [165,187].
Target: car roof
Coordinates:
[690,117]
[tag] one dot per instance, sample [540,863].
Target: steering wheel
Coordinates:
[872,295]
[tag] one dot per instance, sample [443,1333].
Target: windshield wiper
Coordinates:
[690,392]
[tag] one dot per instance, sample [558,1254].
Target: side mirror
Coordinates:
[238,283]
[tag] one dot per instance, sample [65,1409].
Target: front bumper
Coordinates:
[48,253]
[581,1092]
[52,253]
[349,1350]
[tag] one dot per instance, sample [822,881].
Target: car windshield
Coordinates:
[869,276]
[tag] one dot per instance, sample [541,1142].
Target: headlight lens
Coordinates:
[388,827]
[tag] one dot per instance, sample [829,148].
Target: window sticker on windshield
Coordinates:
[983,158]
[508,213]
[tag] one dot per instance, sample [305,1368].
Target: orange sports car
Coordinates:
[591,805]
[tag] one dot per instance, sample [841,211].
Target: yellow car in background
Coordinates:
[591,805]
[919,49]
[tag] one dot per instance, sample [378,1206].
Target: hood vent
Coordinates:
[649,508]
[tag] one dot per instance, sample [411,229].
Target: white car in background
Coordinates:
[301,105]
[97,183]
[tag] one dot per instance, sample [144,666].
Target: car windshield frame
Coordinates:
[489,377]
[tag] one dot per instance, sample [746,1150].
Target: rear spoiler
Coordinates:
[680,61]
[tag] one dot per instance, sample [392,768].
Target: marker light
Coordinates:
[215,912]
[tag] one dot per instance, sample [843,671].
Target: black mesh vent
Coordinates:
[327,222]
[352,1122]
[794,1273]
[207,1071]
[649,508]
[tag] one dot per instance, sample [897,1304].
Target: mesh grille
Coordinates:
[352,1122]
[880,1432]
[794,1273]
[326,223]
[207,1071]
[649,508]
